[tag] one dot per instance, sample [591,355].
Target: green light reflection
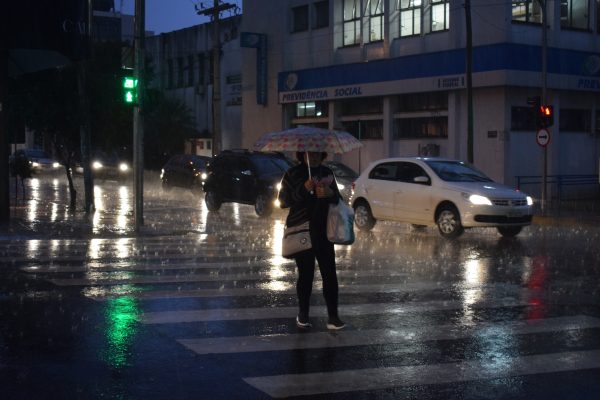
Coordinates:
[123,316]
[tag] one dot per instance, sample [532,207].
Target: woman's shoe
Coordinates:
[335,323]
[302,322]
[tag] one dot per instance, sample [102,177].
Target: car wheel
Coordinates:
[448,222]
[262,205]
[212,200]
[509,231]
[363,218]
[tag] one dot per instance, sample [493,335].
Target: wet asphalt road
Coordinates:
[201,306]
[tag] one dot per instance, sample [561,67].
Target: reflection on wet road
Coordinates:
[207,311]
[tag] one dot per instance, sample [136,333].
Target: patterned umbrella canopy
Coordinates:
[308,138]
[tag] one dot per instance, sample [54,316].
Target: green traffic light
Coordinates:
[130,85]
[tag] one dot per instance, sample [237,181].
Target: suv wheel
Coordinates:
[448,222]
[363,218]
[213,203]
[509,231]
[263,206]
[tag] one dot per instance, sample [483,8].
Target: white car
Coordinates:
[449,194]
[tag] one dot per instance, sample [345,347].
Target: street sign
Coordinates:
[542,137]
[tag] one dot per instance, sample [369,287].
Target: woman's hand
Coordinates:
[309,185]
[323,191]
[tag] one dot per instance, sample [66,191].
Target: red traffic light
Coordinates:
[546,115]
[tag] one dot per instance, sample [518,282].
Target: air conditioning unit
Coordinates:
[429,150]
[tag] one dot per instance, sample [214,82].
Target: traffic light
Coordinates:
[130,90]
[546,115]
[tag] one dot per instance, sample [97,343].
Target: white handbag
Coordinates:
[340,223]
[296,239]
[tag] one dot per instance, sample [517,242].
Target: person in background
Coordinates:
[308,198]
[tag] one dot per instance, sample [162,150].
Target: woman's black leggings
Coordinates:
[325,256]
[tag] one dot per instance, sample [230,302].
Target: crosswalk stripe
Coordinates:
[250,276]
[316,340]
[279,386]
[352,288]
[232,314]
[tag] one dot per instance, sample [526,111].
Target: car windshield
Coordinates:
[457,171]
[342,171]
[267,165]
[36,153]
[199,162]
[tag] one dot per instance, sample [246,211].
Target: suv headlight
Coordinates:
[123,167]
[529,200]
[96,165]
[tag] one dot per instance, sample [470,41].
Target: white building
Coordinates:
[182,65]
[393,72]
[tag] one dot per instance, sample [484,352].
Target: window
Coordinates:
[523,119]
[410,17]
[407,172]
[363,105]
[190,70]
[300,19]
[321,14]
[180,72]
[170,82]
[352,17]
[574,14]
[201,68]
[311,109]
[527,11]
[423,102]
[421,127]
[384,172]
[440,15]
[365,130]
[375,10]
[573,120]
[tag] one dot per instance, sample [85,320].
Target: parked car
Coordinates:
[435,191]
[344,175]
[245,177]
[38,159]
[184,170]
[111,166]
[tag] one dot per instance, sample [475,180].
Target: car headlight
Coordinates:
[277,203]
[35,164]
[278,186]
[97,165]
[203,176]
[123,167]
[55,165]
[340,186]
[529,200]
[479,200]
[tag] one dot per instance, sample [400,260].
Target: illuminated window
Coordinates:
[410,17]
[527,11]
[574,14]
[440,15]
[311,109]
[352,19]
[375,12]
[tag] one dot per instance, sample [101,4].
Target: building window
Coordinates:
[201,69]
[321,14]
[410,17]
[440,15]
[363,105]
[300,19]
[523,119]
[180,72]
[365,130]
[190,70]
[170,74]
[431,101]
[527,11]
[375,10]
[421,127]
[574,14]
[311,109]
[574,120]
[352,17]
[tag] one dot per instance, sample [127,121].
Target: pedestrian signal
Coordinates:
[130,90]
[546,115]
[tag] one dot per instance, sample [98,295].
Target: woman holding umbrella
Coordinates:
[308,189]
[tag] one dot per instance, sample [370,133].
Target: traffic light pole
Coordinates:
[138,114]
[544,3]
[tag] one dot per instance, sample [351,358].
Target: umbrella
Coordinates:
[308,138]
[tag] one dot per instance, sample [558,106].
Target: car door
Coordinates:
[412,199]
[380,189]
[247,180]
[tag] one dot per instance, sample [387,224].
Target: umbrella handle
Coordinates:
[308,163]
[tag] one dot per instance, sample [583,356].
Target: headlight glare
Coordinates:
[479,200]
[529,200]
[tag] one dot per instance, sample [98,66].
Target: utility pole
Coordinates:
[469,73]
[543,4]
[4,143]
[214,12]
[138,113]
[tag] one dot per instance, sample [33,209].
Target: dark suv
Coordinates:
[184,170]
[246,177]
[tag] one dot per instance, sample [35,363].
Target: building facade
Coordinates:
[182,66]
[394,74]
